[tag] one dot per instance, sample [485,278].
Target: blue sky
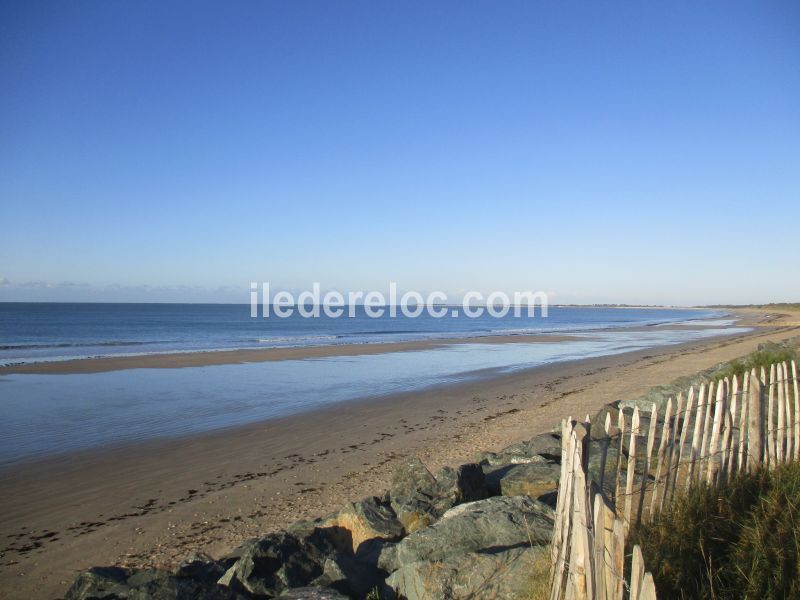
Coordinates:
[603,152]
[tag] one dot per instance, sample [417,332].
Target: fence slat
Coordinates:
[713,449]
[696,433]
[606,441]
[561,532]
[651,438]
[743,421]
[755,424]
[618,559]
[618,470]
[631,468]
[771,454]
[581,580]
[637,572]
[672,458]
[648,588]
[796,413]
[781,433]
[662,448]
[789,420]
[706,432]
[727,433]
[730,455]
[687,417]
[601,554]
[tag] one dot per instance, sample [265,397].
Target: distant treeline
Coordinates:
[771,305]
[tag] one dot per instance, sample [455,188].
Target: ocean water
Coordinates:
[31,332]
[49,414]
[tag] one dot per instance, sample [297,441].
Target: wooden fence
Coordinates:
[630,470]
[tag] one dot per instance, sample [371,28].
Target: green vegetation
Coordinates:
[770,306]
[764,357]
[740,539]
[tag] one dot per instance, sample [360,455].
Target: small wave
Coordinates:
[78,345]
[299,338]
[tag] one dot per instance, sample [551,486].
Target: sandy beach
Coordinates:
[154,503]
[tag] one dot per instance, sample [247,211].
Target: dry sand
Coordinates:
[156,502]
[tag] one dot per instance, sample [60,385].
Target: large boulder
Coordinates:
[542,448]
[116,583]
[202,567]
[483,549]
[527,479]
[490,525]
[308,555]
[276,562]
[419,499]
[505,575]
[369,519]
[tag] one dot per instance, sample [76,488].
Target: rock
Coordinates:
[312,593]
[116,583]
[418,498]
[542,448]
[369,519]
[349,576]
[275,562]
[531,479]
[465,483]
[379,554]
[490,525]
[411,477]
[201,567]
[505,575]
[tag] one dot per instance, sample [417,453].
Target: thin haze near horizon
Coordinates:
[642,153]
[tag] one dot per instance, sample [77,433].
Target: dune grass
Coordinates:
[767,355]
[737,540]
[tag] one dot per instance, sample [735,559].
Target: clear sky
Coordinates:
[601,151]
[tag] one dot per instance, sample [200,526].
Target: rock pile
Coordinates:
[474,531]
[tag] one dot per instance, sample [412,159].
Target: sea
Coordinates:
[46,414]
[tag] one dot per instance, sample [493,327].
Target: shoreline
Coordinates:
[207,358]
[153,503]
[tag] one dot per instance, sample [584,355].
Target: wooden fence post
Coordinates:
[604,450]
[687,417]
[637,572]
[631,468]
[789,414]
[770,453]
[696,433]
[706,433]
[618,559]
[651,438]
[755,423]
[781,446]
[662,449]
[581,578]
[730,455]
[743,422]
[796,414]
[618,470]
[727,433]
[713,451]
[672,458]
[648,588]
[561,530]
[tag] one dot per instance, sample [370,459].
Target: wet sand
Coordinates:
[180,360]
[154,503]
